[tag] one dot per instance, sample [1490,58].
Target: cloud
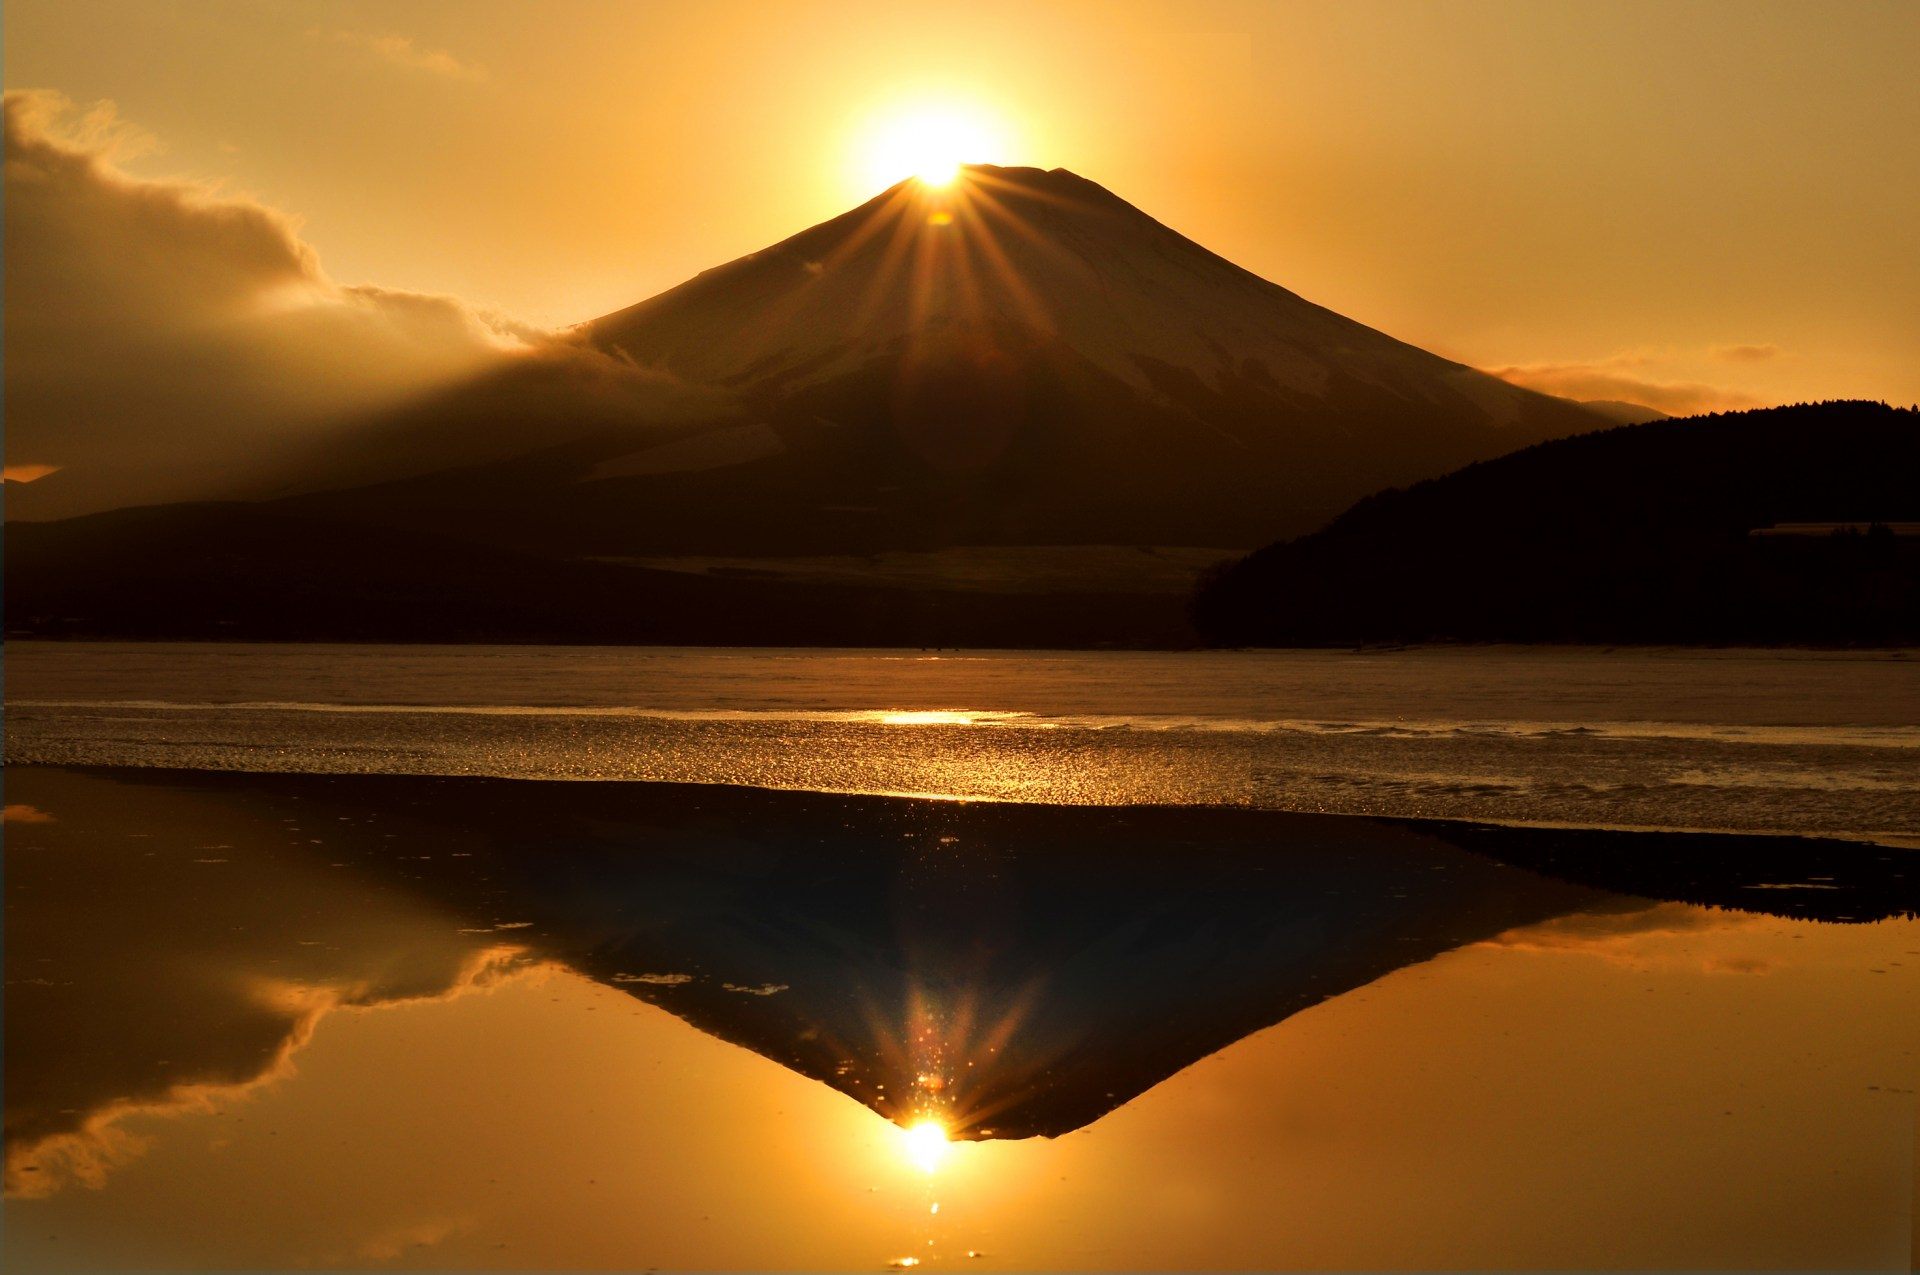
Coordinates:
[1662,935]
[390,1244]
[1619,377]
[1599,927]
[399,51]
[26,473]
[45,1154]
[1744,353]
[167,341]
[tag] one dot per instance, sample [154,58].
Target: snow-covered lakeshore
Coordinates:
[1753,741]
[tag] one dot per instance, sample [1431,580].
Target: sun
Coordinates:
[929,143]
[925,1143]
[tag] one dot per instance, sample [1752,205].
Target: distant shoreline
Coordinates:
[1696,860]
[1463,644]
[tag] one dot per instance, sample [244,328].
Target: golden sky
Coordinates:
[1694,205]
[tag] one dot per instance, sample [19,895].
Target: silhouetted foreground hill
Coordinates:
[1637,534]
[1645,533]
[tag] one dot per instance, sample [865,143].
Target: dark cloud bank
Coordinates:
[167,341]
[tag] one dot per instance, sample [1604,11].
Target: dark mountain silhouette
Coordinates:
[1673,531]
[1074,956]
[1029,359]
[1023,361]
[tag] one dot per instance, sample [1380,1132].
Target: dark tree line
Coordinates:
[1642,533]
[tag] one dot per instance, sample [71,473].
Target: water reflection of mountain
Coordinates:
[1020,969]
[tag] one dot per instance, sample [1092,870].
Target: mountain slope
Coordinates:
[1078,371]
[1639,533]
[1006,249]
[1022,360]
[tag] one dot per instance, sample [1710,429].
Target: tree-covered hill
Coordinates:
[1670,531]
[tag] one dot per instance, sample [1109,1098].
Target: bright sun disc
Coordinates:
[926,1144]
[929,144]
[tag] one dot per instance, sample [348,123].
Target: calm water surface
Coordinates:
[305,969]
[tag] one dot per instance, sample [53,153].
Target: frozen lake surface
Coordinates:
[1793,741]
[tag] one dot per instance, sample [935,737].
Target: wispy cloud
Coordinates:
[1663,936]
[1645,377]
[26,473]
[390,1244]
[401,51]
[1744,353]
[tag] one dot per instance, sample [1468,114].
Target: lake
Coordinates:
[1521,958]
[1810,742]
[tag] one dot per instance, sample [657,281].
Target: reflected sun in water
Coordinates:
[925,1144]
[926,717]
[379,1066]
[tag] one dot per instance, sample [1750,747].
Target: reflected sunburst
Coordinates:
[925,1143]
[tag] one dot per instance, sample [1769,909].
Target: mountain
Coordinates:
[1021,359]
[1016,388]
[1789,524]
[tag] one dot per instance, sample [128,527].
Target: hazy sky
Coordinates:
[1692,204]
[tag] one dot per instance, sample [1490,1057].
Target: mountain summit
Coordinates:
[1042,266]
[1019,359]
[1026,357]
